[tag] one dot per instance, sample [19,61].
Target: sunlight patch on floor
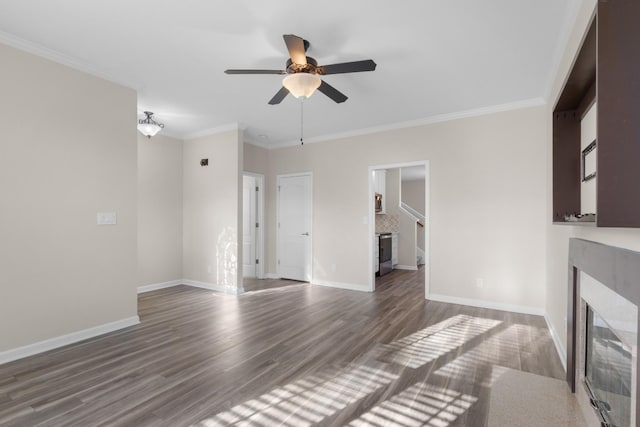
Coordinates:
[502,348]
[419,405]
[307,401]
[429,344]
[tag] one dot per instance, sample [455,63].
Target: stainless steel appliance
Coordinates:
[386,264]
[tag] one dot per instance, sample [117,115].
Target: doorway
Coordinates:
[294,226]
[376,189]
[252,225]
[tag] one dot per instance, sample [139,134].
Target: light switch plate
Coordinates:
[107,218]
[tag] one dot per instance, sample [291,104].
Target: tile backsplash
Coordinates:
[388,223]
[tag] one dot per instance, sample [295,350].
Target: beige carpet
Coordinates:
[521,399]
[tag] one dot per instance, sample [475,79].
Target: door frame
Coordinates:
[426,229]
[260,220]
[278,244]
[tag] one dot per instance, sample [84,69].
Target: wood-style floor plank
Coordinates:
[283,356]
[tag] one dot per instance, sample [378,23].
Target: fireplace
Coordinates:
[607,371]
[602,331]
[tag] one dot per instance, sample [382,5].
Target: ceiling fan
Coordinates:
[302,72]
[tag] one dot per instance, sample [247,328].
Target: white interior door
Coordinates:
[294,227]
[249,207]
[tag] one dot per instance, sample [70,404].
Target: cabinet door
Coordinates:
[394,249]
[376,256]
[380,186]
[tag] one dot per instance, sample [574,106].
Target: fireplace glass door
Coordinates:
[607,371]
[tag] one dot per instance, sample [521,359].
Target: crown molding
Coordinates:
[58,57]
[213,131]
[170,134]
[571,16]
[258,144]
[67,60]
[439,118]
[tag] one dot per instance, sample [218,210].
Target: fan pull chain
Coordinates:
[302,122]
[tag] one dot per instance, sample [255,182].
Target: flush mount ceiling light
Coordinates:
[301,84]
[149,127]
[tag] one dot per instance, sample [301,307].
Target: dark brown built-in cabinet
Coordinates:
[606,70]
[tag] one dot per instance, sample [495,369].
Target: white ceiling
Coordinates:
[435,58]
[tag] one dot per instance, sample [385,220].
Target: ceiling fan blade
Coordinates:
[255,72]
[332,92]
[278,97]
[348,67]
[295,45]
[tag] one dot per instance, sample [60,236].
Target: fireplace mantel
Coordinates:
[618,270]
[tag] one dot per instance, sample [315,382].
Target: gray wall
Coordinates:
[488,198]
[68,151]
[159,209]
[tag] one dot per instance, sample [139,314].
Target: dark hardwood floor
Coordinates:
[292,356]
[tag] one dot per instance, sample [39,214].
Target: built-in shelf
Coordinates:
[580,223]
[605,72]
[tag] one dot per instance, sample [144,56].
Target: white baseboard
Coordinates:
[156,286]
[213,287]
[405,267]
[487,304]
[196,284]
[562,353]
[52,343]
[339,285]
[271,276]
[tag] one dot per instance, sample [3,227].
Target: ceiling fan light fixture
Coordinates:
[149,127]
[301,84]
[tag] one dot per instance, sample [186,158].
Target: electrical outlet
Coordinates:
[106,218]
[479,283]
